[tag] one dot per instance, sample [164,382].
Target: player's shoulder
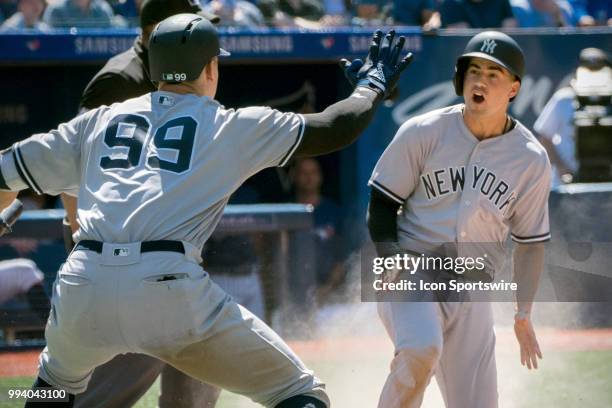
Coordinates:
[254,112]
[530,146]
[259,114]
[429,123]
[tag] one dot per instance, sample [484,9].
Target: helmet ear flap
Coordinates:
[460,67]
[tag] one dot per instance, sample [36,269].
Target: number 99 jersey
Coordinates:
[160,166]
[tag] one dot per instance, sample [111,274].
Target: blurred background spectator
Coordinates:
[307,179]
[24,305]
[236,13]
[17,277]
[317,14]
[416,13]
[46,254]
[543,13]
[601,11]
[292,13]
[369,12]
[28,16]
[79,13]
[7,9]
[126,10]
[555,126]
[477,14]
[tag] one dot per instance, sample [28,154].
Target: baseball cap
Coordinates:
[155,11]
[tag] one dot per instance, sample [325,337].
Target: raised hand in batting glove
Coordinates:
[351,68]
[382,68]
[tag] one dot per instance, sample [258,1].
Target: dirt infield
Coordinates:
[17,364]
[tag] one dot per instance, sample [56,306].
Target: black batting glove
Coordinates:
[357,69]
[351,69]
[383,67]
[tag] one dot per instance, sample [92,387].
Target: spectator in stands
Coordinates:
[543,13]
[307,179]
[292,13]
[601,10]
[477,14]
[416,13]
[236,13]
[369,12]
[28,16]
[18,276]
[127,10]
[22,277]
[582,18]
[555,125]
[79,13]
[7,8]
[336,13]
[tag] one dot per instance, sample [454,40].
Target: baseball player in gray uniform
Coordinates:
[463,178]
[153,175]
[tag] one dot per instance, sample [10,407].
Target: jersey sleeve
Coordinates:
[529,223]
[48,163]
[268,137]
[397,171]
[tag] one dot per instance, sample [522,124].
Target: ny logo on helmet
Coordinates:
[488,46]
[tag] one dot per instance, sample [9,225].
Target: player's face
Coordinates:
[488,87]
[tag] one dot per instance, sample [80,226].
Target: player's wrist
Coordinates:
[371,93]
[522,315]
[376,86]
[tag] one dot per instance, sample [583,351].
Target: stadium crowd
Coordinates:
[313,14]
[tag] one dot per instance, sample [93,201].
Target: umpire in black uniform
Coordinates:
[124,380]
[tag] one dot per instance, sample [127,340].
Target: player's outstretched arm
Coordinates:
[528,264]
[341,123]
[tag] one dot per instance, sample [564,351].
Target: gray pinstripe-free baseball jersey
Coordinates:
[467,194]
[166,164]
[456,189]
[158,167]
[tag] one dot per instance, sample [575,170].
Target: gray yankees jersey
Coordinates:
[160,166]
[457,190]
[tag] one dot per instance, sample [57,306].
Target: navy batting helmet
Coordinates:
[493,46]
[181,46]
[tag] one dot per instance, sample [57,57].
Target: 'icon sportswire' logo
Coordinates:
[488,46]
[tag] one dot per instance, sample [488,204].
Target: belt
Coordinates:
[146,246]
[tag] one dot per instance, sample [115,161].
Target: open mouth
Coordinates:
[477,97]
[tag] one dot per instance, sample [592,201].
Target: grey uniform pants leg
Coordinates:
[121,382]
[453,341]
[107,305]
[178,390]
[126,378]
